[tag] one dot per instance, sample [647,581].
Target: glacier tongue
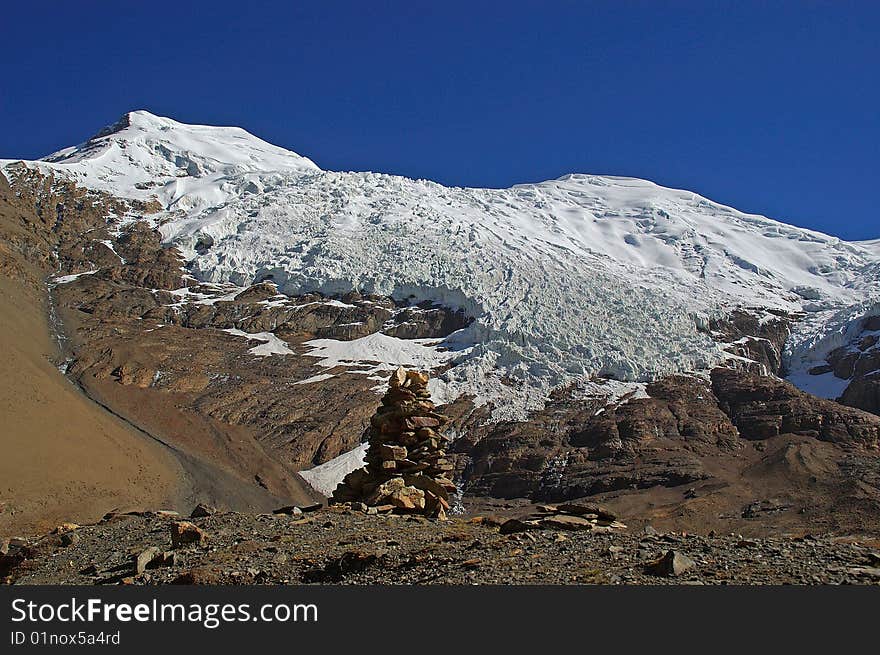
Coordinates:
[566,279]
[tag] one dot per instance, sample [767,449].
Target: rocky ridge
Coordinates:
[674,437]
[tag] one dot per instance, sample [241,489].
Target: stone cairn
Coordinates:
[407,470]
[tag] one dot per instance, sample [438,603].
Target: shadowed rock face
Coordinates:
[426,322]
[864,393]
[763,407]
[752,338]
[859,362]
[739,435]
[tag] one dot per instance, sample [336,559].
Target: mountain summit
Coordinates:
[565,280]
[131,155]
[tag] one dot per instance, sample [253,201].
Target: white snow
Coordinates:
[873,245]
[271,345]
[212,300]
[566,279]
[325,477]
[377,352]
[66,279]
[185,167]
[338,303]
[316,378]
[109,244]
[826,385]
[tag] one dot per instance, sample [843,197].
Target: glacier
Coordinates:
[567,280]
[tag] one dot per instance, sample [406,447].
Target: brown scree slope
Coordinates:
[64,457]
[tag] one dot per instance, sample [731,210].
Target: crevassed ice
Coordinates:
[566,279]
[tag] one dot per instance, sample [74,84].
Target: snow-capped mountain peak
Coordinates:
[145,157]
[564,279]
[194,149]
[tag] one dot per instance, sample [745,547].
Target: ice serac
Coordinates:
[566,279]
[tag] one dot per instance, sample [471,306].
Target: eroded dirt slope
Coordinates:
[63,457]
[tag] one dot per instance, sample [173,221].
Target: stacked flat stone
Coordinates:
[406,465]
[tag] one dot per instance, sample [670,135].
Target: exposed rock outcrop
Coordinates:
[762,407]
[685,428]
[859,362]
[757,338]
[569,516]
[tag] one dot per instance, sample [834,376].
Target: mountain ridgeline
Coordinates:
[239,310]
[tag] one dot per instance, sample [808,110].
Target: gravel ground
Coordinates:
[346,547]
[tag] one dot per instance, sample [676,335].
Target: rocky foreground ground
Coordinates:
[344,546]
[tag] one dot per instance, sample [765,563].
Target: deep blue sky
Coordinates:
[770,107]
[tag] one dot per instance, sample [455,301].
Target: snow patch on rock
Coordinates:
[325,477]
[271,345]
[378,352]
[67,279]
[316,378]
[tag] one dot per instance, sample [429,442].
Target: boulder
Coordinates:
[581,509]
[184,533]
[517,525]
[672,564]
[563,522]
[65,527]
[69,539]
[385,490]
[147,557]
[388,452]
[202,510]
[408,498]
